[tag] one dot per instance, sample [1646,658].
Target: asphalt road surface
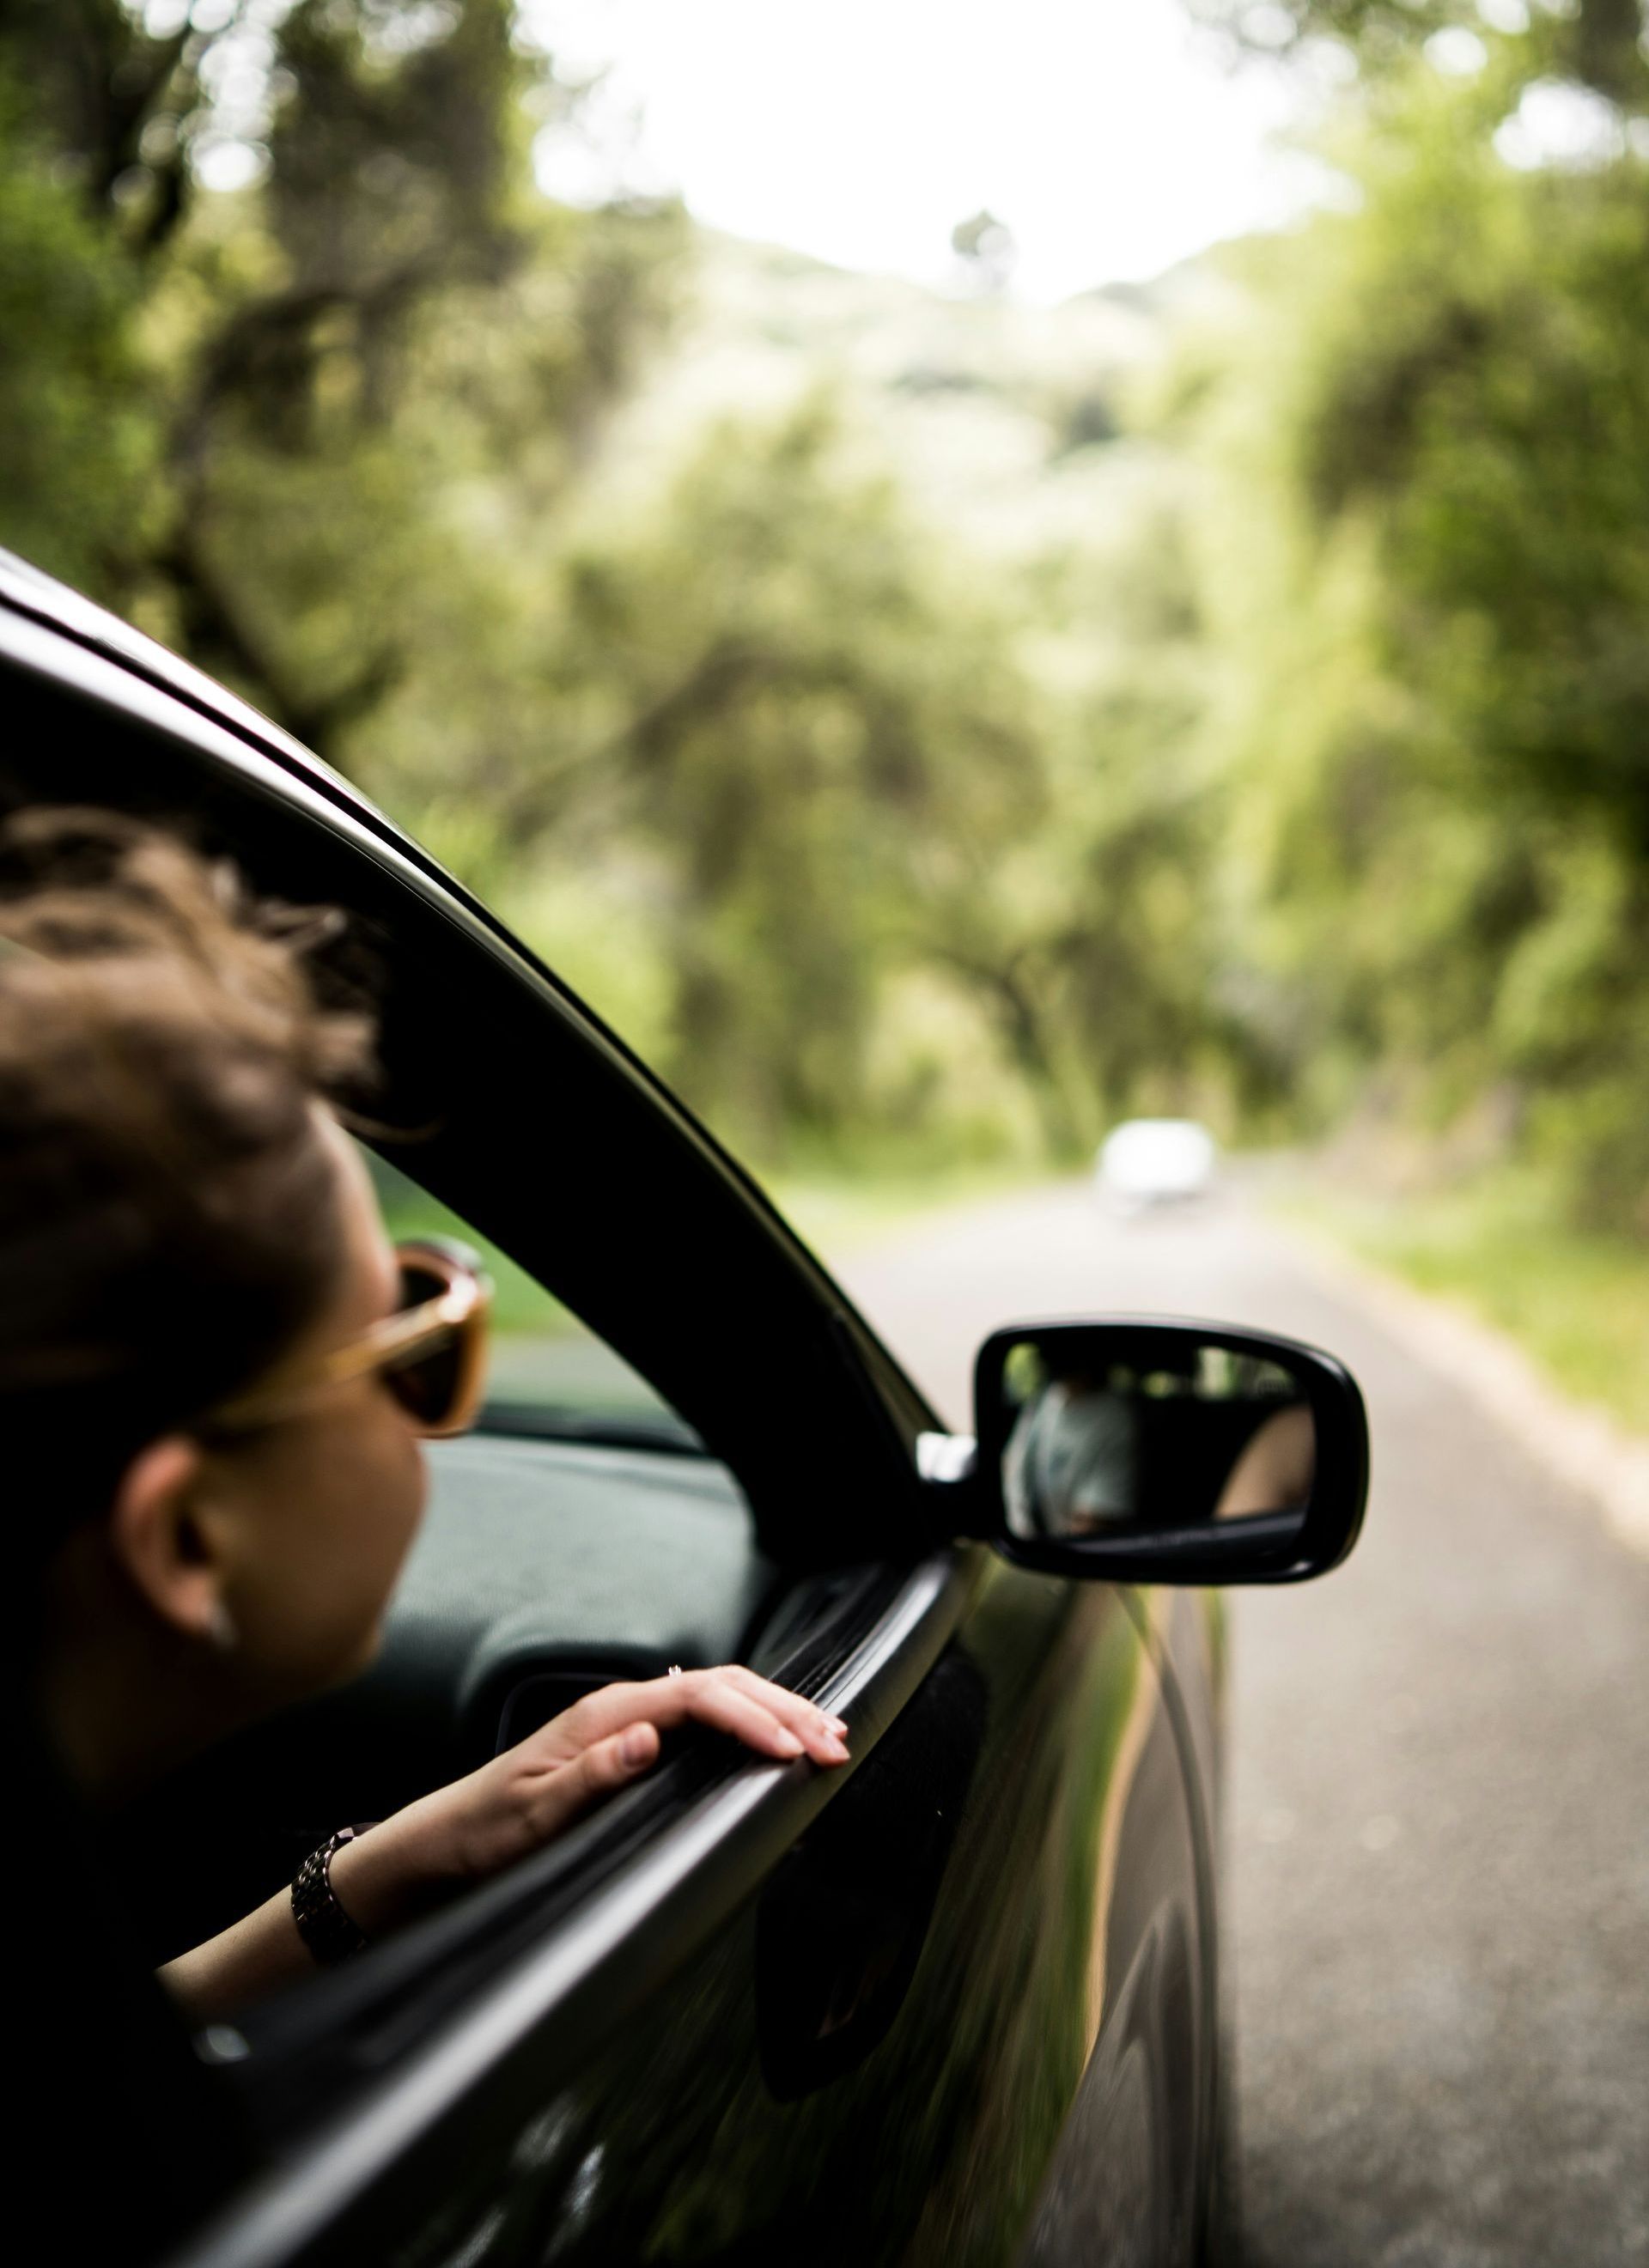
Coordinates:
[1438,1858]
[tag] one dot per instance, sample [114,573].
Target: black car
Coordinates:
[958,2002]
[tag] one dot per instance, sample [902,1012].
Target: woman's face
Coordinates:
[318,1511]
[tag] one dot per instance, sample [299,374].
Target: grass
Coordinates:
[1500,1248]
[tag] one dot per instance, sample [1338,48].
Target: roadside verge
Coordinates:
[1580,1445]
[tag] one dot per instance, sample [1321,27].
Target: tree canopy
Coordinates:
[1297,770]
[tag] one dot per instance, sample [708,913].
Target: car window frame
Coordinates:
[872,1397]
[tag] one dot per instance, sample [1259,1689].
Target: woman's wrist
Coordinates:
[396,1873]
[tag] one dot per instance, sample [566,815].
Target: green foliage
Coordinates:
[114,105]
[1440,727]
[335,352]
[804,733]
[1483,394]
[768,765]
[1298,768]
[1599,43]
[78,430]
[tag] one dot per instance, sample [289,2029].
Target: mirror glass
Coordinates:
[1103,1432]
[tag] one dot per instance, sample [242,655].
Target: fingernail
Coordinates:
[636,1748]
[786,1743]
[836,1749]
[838,1726]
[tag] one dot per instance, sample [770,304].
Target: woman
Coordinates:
[212,1410]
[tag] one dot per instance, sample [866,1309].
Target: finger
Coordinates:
[717,1699]
[693,1694]
[599,1714]
[781,1696]
[602,1769]
[804,1717]
[733,1699]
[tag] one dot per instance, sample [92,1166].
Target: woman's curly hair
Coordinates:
[168,1206]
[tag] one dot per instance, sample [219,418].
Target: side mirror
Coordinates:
[1143,1451]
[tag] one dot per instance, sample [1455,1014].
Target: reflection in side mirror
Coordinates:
[1214,1437]
[1152,1451]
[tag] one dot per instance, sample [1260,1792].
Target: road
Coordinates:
[1439,1854]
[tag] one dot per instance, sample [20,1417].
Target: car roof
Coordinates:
[28,592]
[27,589]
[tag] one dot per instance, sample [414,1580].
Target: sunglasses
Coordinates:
[430,1354]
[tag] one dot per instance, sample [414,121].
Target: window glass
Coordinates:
[548,1373]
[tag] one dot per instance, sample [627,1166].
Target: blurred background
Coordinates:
[1135,603]
[970,574]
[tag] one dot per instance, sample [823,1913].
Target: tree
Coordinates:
[800,726]
[1600,43]
[80,432]
[1438,586]
[389,242]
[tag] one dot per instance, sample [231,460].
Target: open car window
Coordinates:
[580,1533]
[549,1375]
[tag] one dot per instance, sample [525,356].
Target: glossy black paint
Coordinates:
[1042,2075]
[958,2004]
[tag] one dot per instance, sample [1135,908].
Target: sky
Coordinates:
[1110,137]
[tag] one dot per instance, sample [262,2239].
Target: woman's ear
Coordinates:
[165,1548]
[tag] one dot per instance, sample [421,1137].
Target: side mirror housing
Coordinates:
[1136,1449]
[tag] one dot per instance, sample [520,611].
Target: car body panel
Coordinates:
[1037,2077]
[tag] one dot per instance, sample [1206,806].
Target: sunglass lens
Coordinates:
[419,1283]
[428,1387]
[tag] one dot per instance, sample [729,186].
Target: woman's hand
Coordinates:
[470,1829]
[528,1796]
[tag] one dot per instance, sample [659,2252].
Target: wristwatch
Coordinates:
[322,1923]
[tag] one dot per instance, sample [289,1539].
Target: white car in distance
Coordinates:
[1145,1162]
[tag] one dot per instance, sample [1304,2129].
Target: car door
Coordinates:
[953,2003]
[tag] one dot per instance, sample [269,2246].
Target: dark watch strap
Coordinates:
[322,1923]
